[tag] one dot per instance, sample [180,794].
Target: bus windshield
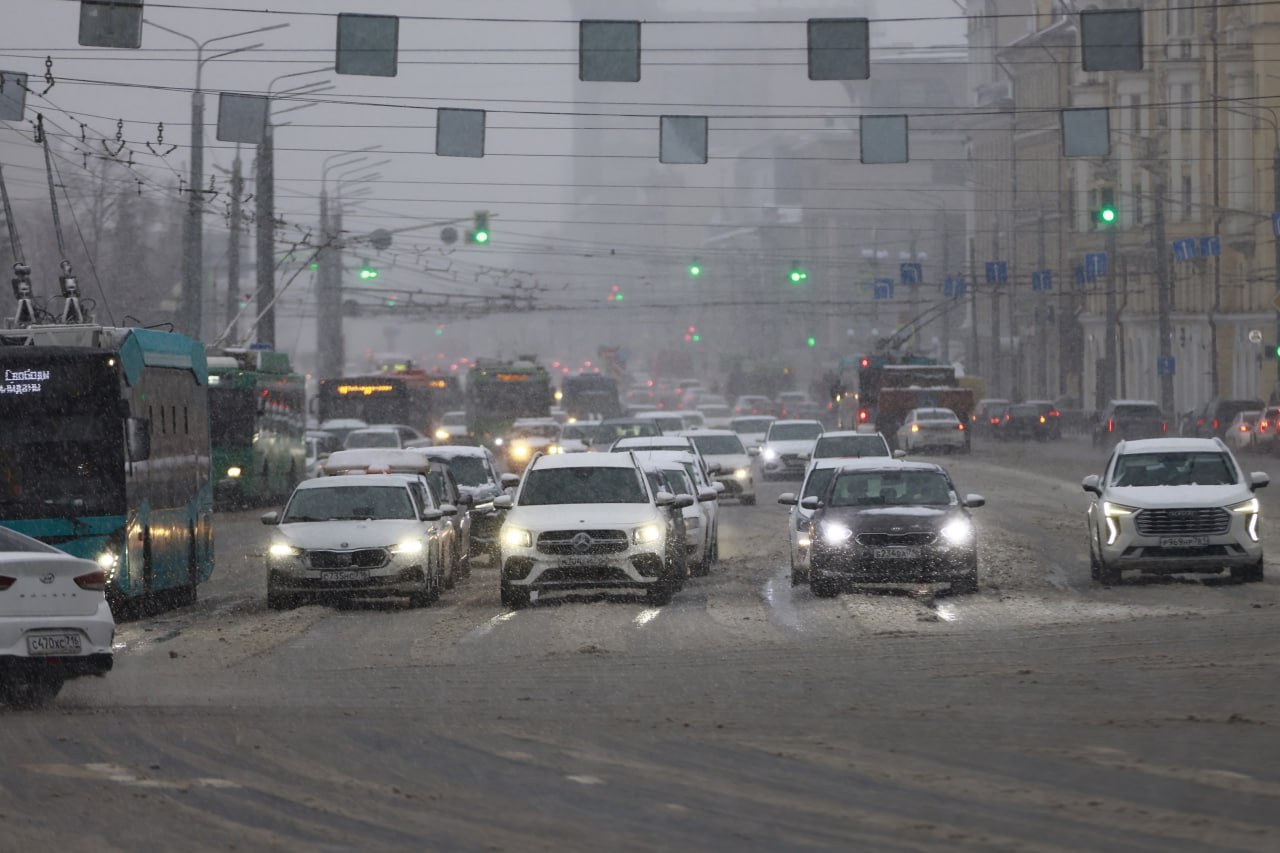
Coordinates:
[66,465]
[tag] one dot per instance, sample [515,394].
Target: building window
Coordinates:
[1138,213]
[1186,198]
[1184,99]
[1135,114]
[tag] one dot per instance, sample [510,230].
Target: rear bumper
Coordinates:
[98,663]
[96,632]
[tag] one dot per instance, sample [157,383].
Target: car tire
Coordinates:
[823,587]
[514,598]
[31,690]
[797,577]
[967,584]
[1108,575]
[425,597]
[660,593]
[1249,574]
[279,601]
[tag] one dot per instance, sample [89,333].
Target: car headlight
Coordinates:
[742,473]
[1251,509]
[836,534]
[283,549]
[498,441]
[442,435]
[409,547]
[647,534]
[958,531]
[1113,513]
[517,538]
[520,451]
[554,449]
[769,454]
[234,472]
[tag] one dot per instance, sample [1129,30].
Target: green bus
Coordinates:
[257,427]
[498,392]
[105,454]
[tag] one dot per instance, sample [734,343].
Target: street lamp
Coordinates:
[190,315]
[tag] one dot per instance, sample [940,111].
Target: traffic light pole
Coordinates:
[1164,288]
[1107,383]
[266,233]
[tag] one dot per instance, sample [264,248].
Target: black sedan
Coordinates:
[892,521]
[1026,421]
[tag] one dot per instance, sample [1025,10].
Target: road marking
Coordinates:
[946,611]
[482,630]
[586,780]
[124,776]
[647,616]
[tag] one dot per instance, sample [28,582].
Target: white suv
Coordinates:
[1170,505]
[590,522]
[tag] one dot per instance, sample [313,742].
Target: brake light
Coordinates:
[1007,417]
[1244,427]
[1054,413]
[96,581]
[960,427]
[1111,426]
[6,582]
[863,415]
[1164,426]
[1200,422]
[1262,426]
[995,421]
[1215,423]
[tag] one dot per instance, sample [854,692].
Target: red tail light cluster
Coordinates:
[960,427]
[1244,427]
[863,415]
[1164,426]
[1111,426]
[94,581]
[995,421]
[6,582]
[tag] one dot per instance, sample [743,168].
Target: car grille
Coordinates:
[794,459]
[580,542]
[1208,521]
[882,540]
[364,558]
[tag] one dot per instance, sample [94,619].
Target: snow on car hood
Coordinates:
[349,535]
[1178,496]
[571,516]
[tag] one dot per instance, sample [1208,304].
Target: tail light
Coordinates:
[6,582]
[864,415]
[1111,426]
[1054,413]
[1164,426]
[96,581]
[1008,417]
[995,421]
[960,427]
[1215,423]
[1262,426]
[1244,427]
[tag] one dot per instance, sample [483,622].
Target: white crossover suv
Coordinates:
[590,522]
[1170,505]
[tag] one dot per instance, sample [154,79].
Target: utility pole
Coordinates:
[1107,381]
[328,295]
[1042,313]
[1164,286]
[975,350]
[1275,192]
[266,232]
[233,251]
[997,360]
[945,335]
[1214,379]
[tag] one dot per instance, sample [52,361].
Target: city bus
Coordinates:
[105,454]
[377,399]
[257,427]
[498,392]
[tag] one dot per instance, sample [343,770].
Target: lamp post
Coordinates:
[190,313]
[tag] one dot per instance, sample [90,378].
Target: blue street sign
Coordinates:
[997,272]
[1210,247]
[1167,366]
[1095,264]
[1080,279]
[1275,224]
[883,288]
[1186,250]
[912,273]
[953,287]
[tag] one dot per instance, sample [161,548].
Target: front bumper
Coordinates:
[785,465]
[529,569]
[858,563]
[1133,551]
[402,575]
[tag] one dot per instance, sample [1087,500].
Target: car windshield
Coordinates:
[349,503]
[1025,410]
[938,415]
[536,431]
[679,480]
[719,445]
[467,470]
[668,423]
[794,432]
[582,485]
[577,432]
[891,488]
[829,447]
[1174,469]
[608,433]
[752,426]
[380,438]
[816,485]
[1136,411]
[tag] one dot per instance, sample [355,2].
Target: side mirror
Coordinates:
[271,518]
[715,468]
[503,502]
[138,438]
[683,501]
[788,499]
[753,451]
[718,487]
[1092,484]
[1259,480]
[510,481]
[899,454]
[465,500]
[664,499]
[974,501]
[448,509]
[432,514]
[811,503]
[708,494]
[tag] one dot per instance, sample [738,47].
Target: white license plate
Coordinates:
[897,552]
[53,644]
[347,576]
[1183,541]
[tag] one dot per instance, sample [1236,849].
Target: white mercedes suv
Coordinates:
[590,522]
[1171,505]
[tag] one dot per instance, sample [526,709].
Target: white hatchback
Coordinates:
[55,622]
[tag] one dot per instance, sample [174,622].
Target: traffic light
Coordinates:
[479,232]
[695,268]
[615,294]
[367,272]
[1106,215]
[798,273]
[812,341]
[693,336]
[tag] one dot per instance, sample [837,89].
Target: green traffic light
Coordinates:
[697,339]
[482,237]
[695,270]
[1107,214]
[368,273]
[813,342]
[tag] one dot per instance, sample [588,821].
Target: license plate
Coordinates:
[1183,541]
[896,552]
[345,576]
[53,644]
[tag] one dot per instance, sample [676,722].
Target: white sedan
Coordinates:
[926,429]
[55,623]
